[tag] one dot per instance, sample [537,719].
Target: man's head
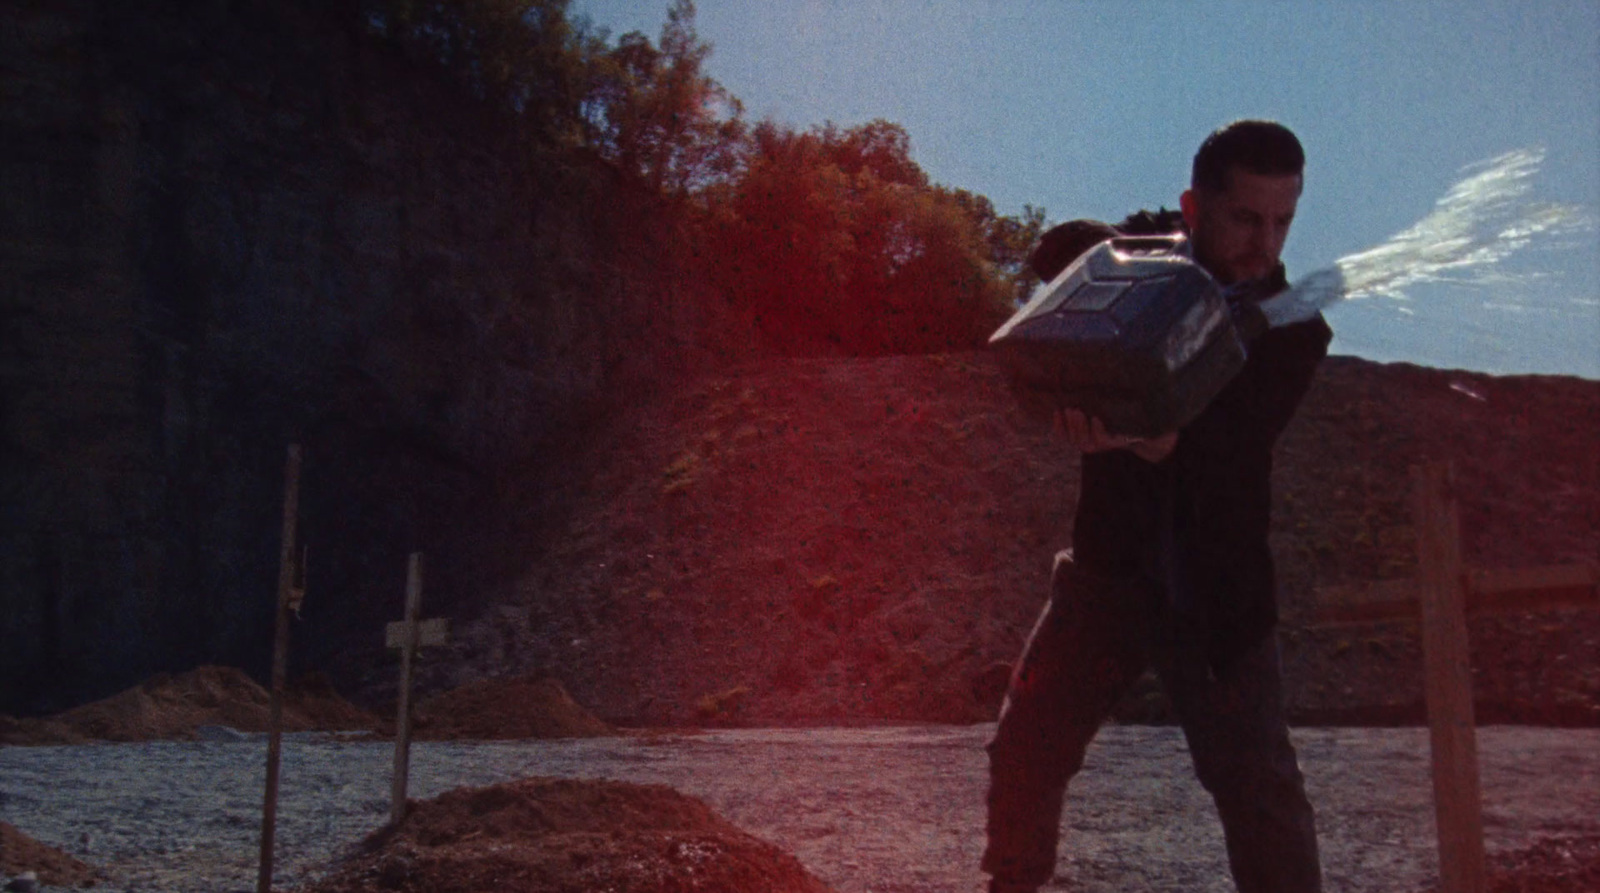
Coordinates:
[1241,198]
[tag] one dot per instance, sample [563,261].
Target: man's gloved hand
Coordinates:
[1089,435]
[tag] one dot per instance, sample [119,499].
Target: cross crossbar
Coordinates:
[1553,588]
[1440,597]
[431,633]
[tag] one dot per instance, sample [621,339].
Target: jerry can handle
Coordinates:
[1145,246]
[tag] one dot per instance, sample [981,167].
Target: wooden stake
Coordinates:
[287,595]
[1451,724]
[408,653]
[409,635]
[1441,596]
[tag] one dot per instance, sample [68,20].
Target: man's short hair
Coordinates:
[1260,147]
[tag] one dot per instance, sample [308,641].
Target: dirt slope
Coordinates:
[865,540]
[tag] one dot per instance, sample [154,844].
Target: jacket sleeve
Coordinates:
[1223,506]
[1287,360]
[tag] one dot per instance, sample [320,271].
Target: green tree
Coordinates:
[656,114]
[524,57]
[834,241]
[828,240]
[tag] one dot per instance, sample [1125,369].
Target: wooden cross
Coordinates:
[408,635]
[1441,595]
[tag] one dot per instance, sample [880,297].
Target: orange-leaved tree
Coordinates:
[833,241]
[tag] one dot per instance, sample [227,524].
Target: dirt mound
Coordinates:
[567,836]
[520,707]
[169,706]
[316,706]
[19,853]
[1559,865]
[29,732]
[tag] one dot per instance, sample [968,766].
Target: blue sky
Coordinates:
[1094,109]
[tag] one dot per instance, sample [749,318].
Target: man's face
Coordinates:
[1239,233]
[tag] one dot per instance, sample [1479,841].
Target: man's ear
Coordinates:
[1189,203]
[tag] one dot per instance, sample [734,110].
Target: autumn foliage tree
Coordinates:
[830,240]
[834,241]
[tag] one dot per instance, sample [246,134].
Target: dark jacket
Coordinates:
[1197,522]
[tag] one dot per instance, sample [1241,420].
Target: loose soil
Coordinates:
[496,709]
[835,541]
[1563,865]
[178,707]
[20,853]
[567,836]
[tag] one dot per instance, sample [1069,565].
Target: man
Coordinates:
[1170,568]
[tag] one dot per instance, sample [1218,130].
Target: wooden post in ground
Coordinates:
[409,635]
[289,596]
[1448,685]
[1440,595]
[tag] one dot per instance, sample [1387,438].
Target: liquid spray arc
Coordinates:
[1135,333]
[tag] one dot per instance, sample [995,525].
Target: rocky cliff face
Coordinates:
[231,226]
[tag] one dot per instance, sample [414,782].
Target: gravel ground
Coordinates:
[876,810]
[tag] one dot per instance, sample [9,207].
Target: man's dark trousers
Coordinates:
[1094,639]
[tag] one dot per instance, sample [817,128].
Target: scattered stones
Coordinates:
[865,810]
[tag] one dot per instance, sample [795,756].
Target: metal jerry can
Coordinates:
[1133,332]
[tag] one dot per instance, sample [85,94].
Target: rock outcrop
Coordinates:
[232,226]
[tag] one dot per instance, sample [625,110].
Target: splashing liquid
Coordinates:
[1483,219]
